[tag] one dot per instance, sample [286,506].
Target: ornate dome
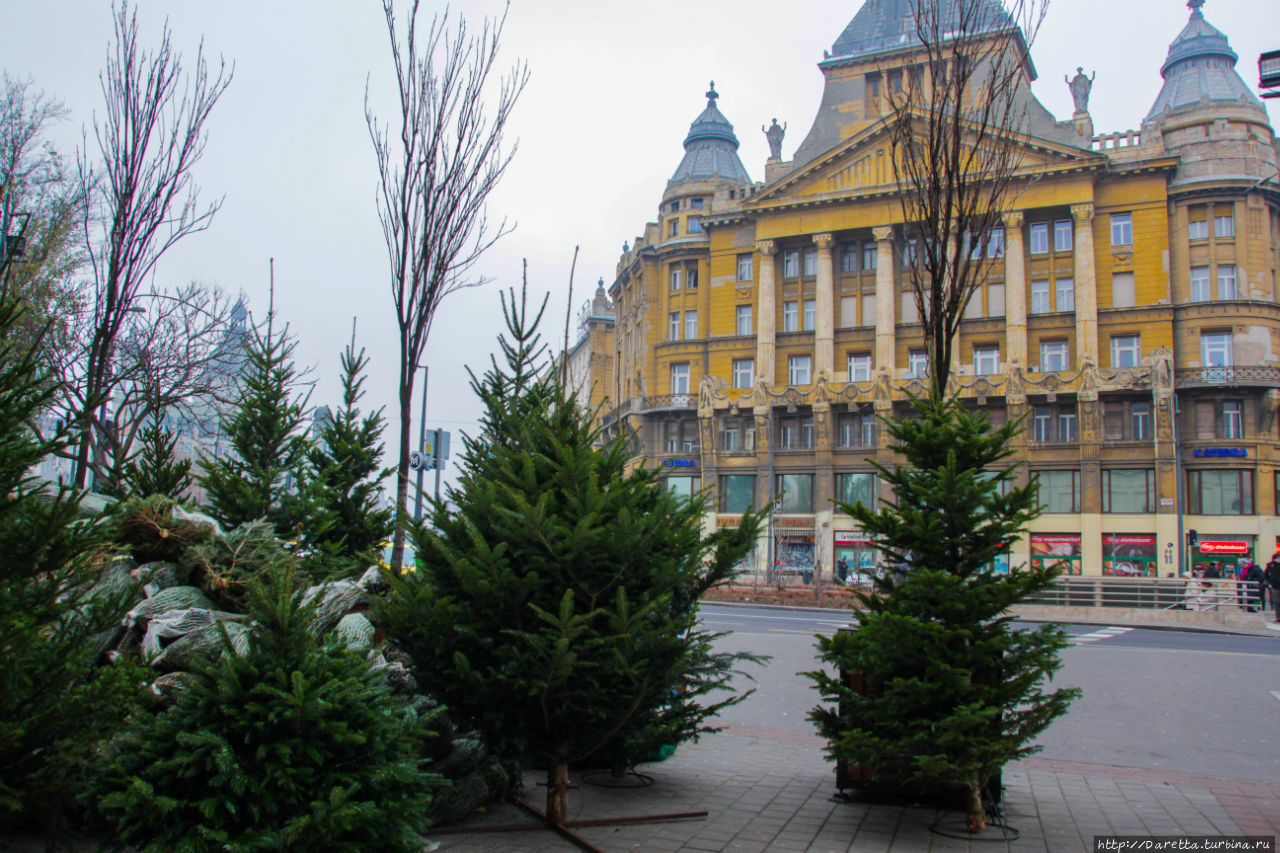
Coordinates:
[711,148]
[1200,70]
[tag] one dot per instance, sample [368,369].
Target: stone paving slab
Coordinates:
[772,790]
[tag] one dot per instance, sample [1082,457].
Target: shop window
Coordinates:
[1129,555]
[795,493]
[1126,350]
[745,267]
[746,323]
[857,487]
[1122,229]
[1226,492]
[737,492]
[1060,491]
[1039,243]
[743,372]
[684,487]
[799,370]
[1128,490]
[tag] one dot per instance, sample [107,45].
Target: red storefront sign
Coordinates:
[1224,547]
[849,538]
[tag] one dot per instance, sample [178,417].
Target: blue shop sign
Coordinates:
[1220,451]
[680,463]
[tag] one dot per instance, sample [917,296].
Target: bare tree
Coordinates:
[39,208]
[435,176]
[142,200]
[956,128]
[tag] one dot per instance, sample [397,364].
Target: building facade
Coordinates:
[1129,309]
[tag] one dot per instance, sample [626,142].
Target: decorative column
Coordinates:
[1015,291]
[823,336]
[885,293]
[1086,286]
[767,314]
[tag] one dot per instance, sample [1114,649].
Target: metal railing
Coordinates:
[1199,594]
[1252,374]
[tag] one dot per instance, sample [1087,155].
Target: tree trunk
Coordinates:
[976,818]
[619,766]
[558,792]
[402,470]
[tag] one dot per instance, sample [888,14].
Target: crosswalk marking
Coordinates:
[1276,693]
[1100,634]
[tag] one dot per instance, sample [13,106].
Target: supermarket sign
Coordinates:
[1224,547]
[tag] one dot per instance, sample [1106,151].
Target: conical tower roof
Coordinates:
[711,148]
[1200,70]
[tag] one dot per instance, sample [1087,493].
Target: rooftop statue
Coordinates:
[774,134]
[1080,88]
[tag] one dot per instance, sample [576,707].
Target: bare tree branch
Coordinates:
[434,181]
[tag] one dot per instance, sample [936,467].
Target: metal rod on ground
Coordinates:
[422,443]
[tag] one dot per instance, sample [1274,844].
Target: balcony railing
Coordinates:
[1253,374]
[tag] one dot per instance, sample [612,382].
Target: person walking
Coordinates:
[1252,579]
[1273,581]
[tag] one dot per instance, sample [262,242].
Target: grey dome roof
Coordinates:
[884,25]
[711,148]
[1200,68]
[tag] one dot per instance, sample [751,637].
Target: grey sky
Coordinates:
[614,87]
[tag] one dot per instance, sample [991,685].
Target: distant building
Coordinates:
[590,357]
[1130,310]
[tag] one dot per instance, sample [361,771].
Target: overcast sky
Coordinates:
[613,89]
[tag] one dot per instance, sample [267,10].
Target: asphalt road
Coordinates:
[1178,700]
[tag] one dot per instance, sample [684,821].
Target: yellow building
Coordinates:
[1131,309]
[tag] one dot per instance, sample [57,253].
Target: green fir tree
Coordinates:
[265,432]
[952,691]
[555,612]
[55,705]
[344,522]
[294,745]
[156,469]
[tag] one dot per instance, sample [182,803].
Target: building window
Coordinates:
[910,310]
[1053,356]
[1042,424]
[986,360]
[1122,290]
[995,299]
[909,252]
[731,437]
[745,320]
[1066,295]
[695,225]
[810,314]
[790,316]
[799,369]
[745,265]
[791,263]
[848,311]
[1224,226]
[737,492]
[795,493]
[673,228]
[1062,234]
[917,364]
[849,258]
[1215,355]
[995,243]
[696,202]
[857,488]
[1066,425]
[859,367]
[1040,296]
[675,206]
[868,309]
[1212,492]
[683,487]
[1140,420]
[1198,229]
[1126,350]
[1039,238]
[811,262]
[680,379]
[974,245]
[1053,424]
[795,433]
[1226,281]
[1060,491]
[673,326]
[744,370]
[858,430]
[690,325]
[1128,490]
[869,254]
[676,276]
[1122,229]
[1232,419]
[1200,284]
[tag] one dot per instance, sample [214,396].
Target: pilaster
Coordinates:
[885,293]
[1086,286]
[766,313]
[823,346]
[1015,291]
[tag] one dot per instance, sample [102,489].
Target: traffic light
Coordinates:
[1193,538]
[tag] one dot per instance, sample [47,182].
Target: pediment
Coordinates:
[862,165]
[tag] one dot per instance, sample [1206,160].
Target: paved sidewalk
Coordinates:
[771,790]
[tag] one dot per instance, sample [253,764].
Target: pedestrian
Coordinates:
[1251,586]
[1213,572]
[1273,581]
[842,570]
